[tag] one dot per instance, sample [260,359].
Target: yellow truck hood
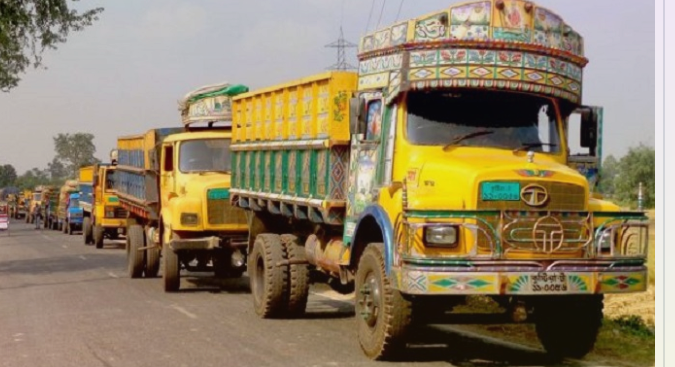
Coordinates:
[197,184]
[451,180]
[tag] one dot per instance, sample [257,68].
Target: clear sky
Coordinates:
[125,74]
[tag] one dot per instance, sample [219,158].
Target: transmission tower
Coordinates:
[342,45]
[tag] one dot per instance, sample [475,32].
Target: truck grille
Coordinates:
[221,212]
[517,233]
[563,197]
[120,212]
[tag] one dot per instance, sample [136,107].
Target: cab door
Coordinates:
[371,155]
[584,142]
[167,184]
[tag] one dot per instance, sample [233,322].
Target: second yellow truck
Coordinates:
[175,183]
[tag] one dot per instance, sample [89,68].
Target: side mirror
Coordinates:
[357,107]
[589,129]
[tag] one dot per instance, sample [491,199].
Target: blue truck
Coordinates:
[73,214]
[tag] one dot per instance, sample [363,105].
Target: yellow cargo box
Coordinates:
[138,151]
[312,108]
[87,174]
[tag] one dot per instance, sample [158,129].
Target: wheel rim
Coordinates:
[259,282]
[370,298]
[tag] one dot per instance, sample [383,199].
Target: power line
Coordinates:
[398,14]
[370,15]
[381,12]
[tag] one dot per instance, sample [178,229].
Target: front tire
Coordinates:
[135,258]
[171,271]
[568,326]
[98,236]
[86,230]
[268,281]
[152,257]
[383,315]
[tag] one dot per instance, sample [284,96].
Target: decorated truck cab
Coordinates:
[439,171]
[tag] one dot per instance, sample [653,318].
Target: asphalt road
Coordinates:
[66,304]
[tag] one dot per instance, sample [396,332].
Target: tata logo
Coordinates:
[534,195]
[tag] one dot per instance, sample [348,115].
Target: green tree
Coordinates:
[32,178]
[637,166]
[57,171]
[7,175]
[608,174]
[29,27]
[74,151]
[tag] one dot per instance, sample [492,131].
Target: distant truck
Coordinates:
[103,215]
[74,214]
[36,201]
[17,209]
[69,211]
[50,203]
[175,184]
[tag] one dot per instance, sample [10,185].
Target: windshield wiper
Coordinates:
[214,171]
[461,138]
[527,146]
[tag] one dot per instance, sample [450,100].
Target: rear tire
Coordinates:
[269,282]
[568,326]
[98,236]
[298,276]
[135,258]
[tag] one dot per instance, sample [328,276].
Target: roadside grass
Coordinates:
[625,341]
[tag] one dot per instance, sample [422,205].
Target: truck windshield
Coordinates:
[494,119]
[205,155]
[109,180]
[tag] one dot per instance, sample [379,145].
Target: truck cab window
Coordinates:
[168,158]
[110,180]
[204,155]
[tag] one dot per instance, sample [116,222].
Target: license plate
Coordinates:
[500,191]
[549,283]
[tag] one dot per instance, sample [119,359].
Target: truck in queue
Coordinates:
[50,203]
[104,217]
[175,183]
[437,173]
[17,206]
[69,213]
[35,201]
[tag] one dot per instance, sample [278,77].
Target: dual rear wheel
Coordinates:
[279,289]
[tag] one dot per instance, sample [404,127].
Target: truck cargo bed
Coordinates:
[291,147]
[137,183]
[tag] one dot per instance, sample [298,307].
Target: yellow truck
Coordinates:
[104,217]
[35,201]
[438,172]
[175,184]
